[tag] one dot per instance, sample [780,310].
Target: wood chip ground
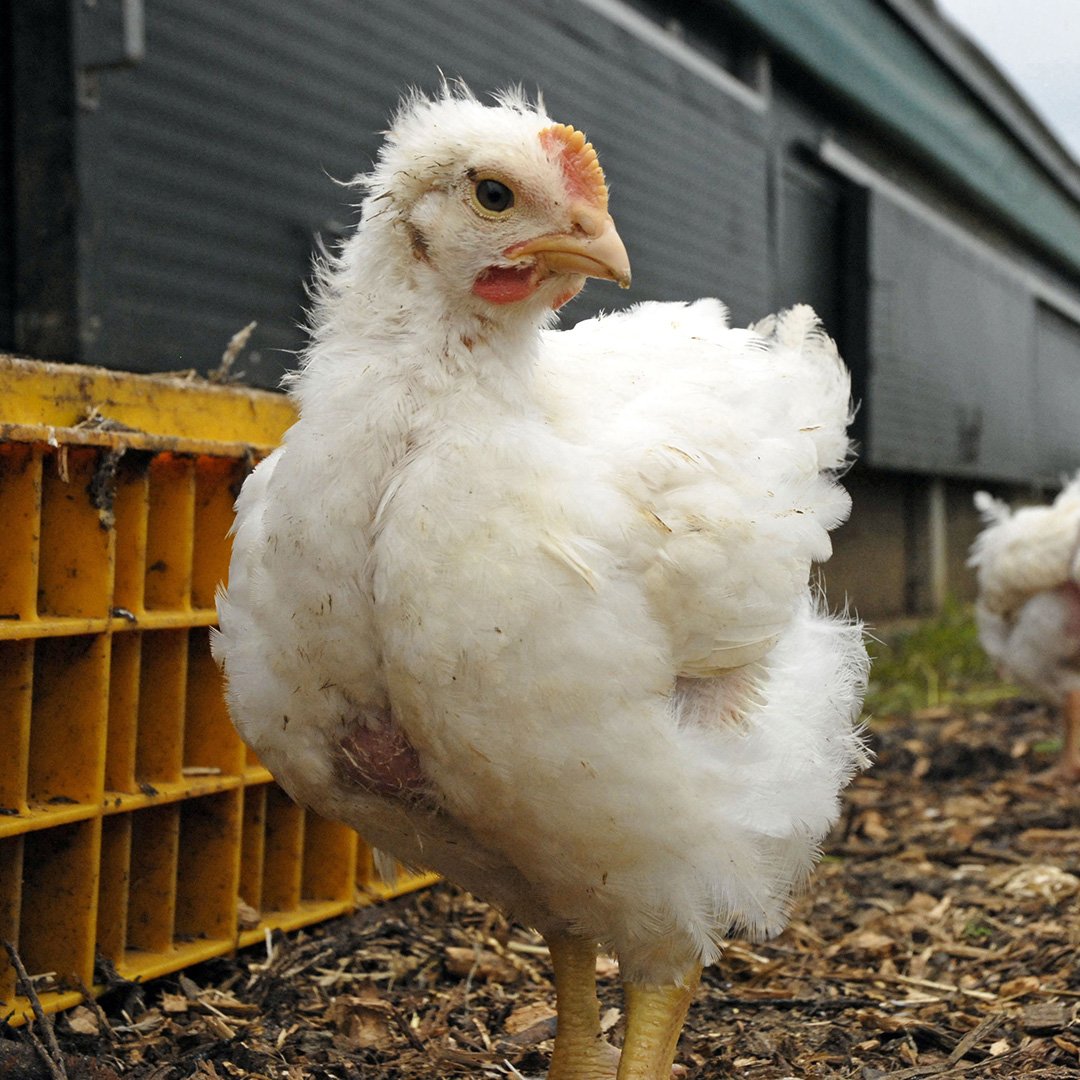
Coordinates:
[940,938]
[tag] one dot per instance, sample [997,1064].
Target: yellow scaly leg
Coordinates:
[654,1021]
[581,1053]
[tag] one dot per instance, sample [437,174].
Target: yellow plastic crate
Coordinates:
[133,821]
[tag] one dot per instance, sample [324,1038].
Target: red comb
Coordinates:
[579,162]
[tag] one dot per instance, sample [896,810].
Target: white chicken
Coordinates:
[1027,565]
[531,608]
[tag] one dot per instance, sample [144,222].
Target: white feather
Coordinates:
[571,566]
[1027,565]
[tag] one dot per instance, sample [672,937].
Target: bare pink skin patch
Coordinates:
[376,755]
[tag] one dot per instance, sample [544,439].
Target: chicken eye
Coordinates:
[493,196]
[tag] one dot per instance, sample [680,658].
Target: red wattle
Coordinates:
[505,284]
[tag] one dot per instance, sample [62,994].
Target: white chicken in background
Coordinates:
[1027,565]
[531,608]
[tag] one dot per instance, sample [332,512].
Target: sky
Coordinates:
[1036,43]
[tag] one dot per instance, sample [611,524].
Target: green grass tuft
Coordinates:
[1048,746]
[977,931]
[934,662]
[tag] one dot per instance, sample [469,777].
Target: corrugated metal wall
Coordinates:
[206,169]
[7,193]
[951,344]
[183,195]
[1057,390]
[862,52]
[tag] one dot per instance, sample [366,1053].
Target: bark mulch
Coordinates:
[940,938]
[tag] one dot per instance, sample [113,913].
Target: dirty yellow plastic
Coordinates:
[136,831]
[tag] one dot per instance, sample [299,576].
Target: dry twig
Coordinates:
[50,1051]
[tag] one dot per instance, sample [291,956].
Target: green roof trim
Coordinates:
[862,51]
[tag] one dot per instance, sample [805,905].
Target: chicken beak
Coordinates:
[594,249]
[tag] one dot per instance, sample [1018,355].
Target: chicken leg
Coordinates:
[654,1021]
[1068,767]
[581,1052]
